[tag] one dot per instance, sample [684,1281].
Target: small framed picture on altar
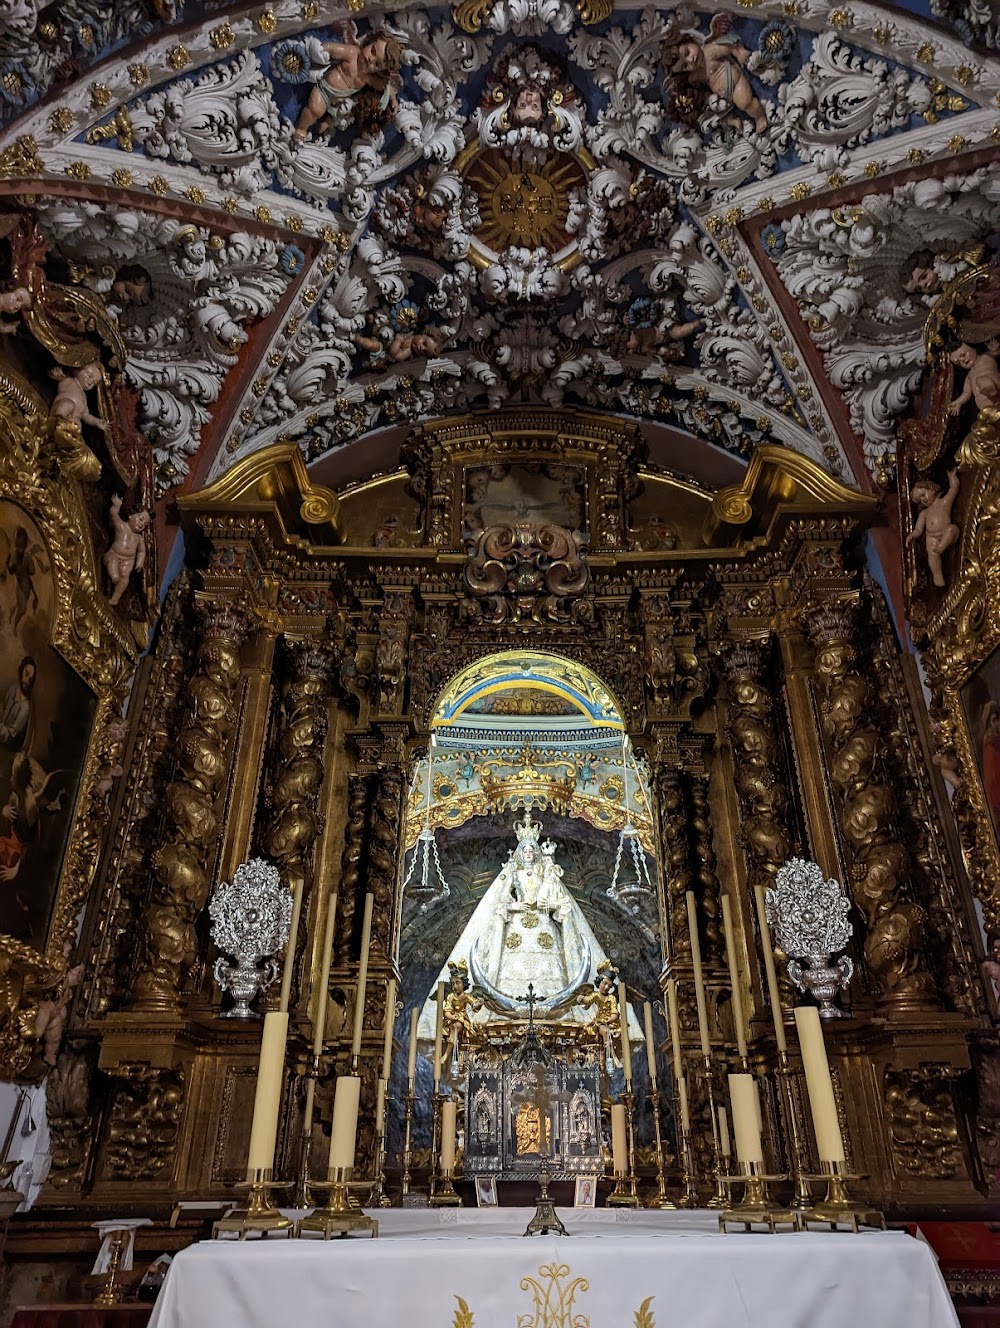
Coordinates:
[585,1194]
[486,1191]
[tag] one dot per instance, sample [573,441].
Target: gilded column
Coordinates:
[182,861]
[880,863]
[758,765]
[677,876]
[295,820]
[707,887]
[384,833]
[351,863]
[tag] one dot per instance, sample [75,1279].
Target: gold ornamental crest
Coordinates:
[554,1295]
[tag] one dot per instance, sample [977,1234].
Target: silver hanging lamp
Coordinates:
[427,890]
[630,894]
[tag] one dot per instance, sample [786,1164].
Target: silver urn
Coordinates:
[808,916]
[251,916]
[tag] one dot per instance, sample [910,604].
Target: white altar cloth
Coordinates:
[653,1270]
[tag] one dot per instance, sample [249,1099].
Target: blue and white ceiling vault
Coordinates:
[314,221]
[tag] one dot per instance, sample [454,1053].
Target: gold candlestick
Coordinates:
[720,1198]
[445,1195]
[620,1197]
[259,1214]
[111,1291]
[838,1209]
[339,1216]
[798,1156]
[408,1137]
[756,1207]
[660,1199]
[435,1145]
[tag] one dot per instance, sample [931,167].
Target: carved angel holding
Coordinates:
[356,69]
[128,549]
[982,377]
[934,521]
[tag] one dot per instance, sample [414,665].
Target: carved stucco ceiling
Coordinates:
[691,216]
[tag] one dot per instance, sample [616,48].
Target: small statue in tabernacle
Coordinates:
[606,1018]
[934,521]
[128,549]
[459,1007]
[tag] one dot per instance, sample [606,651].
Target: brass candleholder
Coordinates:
[437,1103]
[756,1208]
[111,1291]
[445,1195]
[259,1215]
[621,1196]
[689,1199]
[838,1210]
[798,1156]
[660,1199]
[628,1098]
[408,1138]
[379,1197]
[339,1216]
[720,1196]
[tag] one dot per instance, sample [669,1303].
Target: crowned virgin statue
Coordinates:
[526,930]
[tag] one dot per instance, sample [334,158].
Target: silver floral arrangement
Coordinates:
[808,916]
[251,917]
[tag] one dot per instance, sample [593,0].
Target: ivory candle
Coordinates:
[449,1129]
[359,997]
[675,1029]
[741,1095]
[819,1084]
[293,934]
[699,978]
[619,1139]
[438,1035]
[724,1133]
[380,1106]
[267,1099]
[345,1121]
[734,979]
[322,997]
[777,1018]
[682,1093]
[390,1025]
[411,1057]
[647,1014]
[623,1020]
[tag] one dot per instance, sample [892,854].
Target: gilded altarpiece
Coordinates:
[301,655]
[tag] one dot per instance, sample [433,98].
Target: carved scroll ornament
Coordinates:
[525,571]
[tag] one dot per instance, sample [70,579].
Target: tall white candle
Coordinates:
[322,997]
[438,1035]
[359,998]
[699,979]
[724,1132]
[343,1135]
[449,1130]
[267,1099]
[647,1015]
[741,1096]
[777,1018]
[623,1020]
[390,1024]
[675,1029]
[819,1084]
[682,1093]
[734,978]
[293,933]
[411,1055]
[619,1139]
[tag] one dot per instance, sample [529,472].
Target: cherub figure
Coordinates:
[934,521]
[528,108]
[716,63]
[128,549]
[12,302]
[607,1018]
[459,1007]
[650,331]
[53,1012]
[23,561]
[355,67]
[982,377]
[71,395]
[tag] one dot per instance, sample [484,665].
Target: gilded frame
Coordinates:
[101,650]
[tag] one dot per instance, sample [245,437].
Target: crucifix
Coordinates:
[531,1000]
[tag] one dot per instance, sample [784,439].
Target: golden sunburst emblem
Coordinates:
[524,204]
